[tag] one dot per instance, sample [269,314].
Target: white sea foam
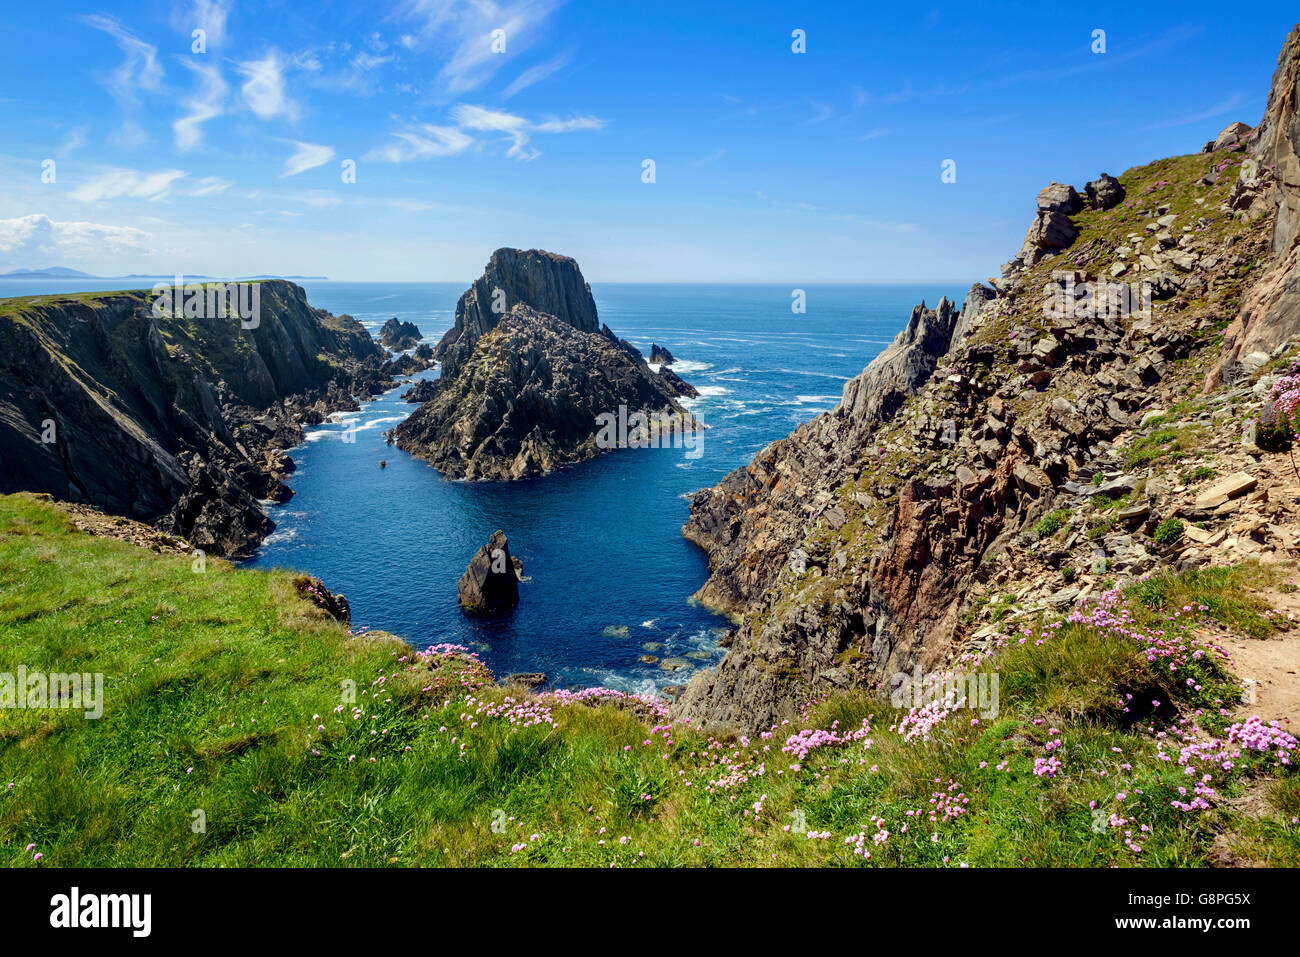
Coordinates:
[685,367]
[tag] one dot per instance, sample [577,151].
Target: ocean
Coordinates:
[607,572]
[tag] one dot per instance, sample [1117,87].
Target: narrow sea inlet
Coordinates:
[607,572]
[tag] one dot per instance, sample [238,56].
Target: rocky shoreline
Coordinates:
[866,542]
[178,422]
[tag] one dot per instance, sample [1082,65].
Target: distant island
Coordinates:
[63,272]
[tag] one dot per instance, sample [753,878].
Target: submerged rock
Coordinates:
[490,584]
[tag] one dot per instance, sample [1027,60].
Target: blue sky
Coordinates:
[770,165]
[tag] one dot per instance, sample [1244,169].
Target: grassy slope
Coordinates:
[214,681]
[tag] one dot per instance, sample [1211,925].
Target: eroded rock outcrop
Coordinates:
[490,585]
[548,282]
[399,336]
[1268,183]
[176,421]
[523,392]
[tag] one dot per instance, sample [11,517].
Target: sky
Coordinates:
[407,141]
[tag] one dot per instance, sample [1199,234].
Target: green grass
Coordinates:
[1168,532]
[214,681]
[1051,523]
[1163,442]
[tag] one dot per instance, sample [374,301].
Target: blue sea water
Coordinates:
[607,573]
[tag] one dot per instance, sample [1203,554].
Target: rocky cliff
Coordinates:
[1268,183]
[1036,440]
[177,421]
[521,392]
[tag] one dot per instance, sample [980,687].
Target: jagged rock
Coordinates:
[490,584]
[421,392]
[902,368]
[1270,180]
[550,283]
[526,392]
[530,399]
[399,336]
[660,355]
[968,319]
[943,467]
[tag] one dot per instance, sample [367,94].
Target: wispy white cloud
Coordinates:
[462,30]
[429,142]
[205,104]
[210,186]
[308,156]
[535,74]
[139,70]
[487,121]
[423,141]
[128,184]
[1219,109]
[26,237]
[874,134]
[707,159]
[264,88]
[574,123]
[72,141]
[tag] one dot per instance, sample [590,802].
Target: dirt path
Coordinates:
[1272,663]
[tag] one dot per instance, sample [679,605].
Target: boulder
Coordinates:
[1105,192]
[490,584]
[1232,135]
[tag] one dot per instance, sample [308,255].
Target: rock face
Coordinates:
[1052,229]
[420,393]
[552,284]
[659,355]
[173,421]
[399,336]
[870,540]
[490,585]
[725,520]
[522,393]
[1269,184]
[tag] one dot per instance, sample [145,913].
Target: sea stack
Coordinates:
[527,373]
[490,585]
[399,336]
